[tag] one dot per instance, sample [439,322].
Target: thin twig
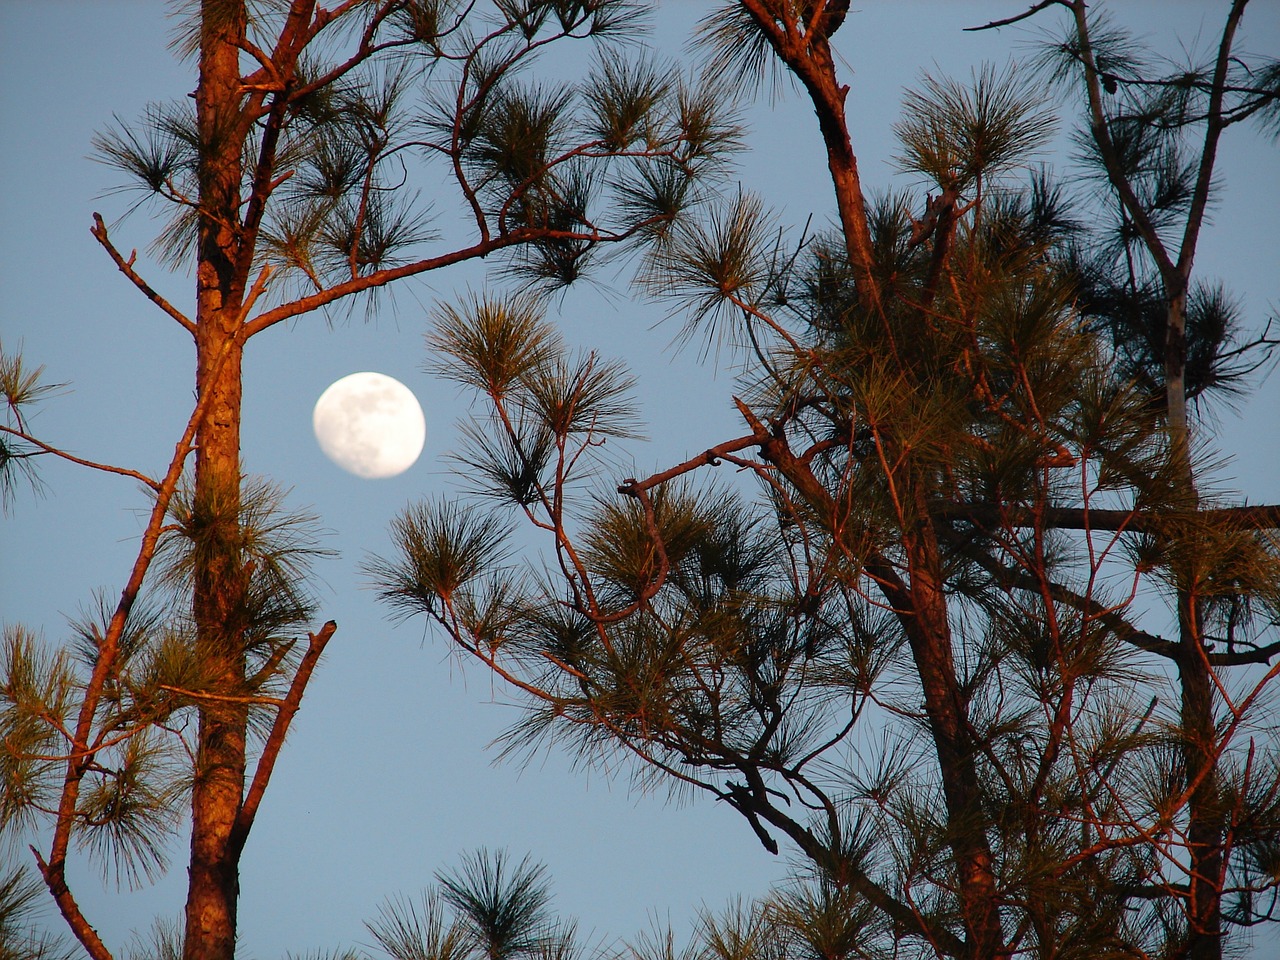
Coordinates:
[92,464]
[1007,21]
[99,231]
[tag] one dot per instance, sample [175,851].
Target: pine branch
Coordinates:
[379,278]
[275,740]
[80,461]
[1249,517]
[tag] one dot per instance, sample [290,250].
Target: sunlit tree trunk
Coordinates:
[218,790]
[929,632]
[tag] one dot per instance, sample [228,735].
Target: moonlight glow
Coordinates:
[370,425]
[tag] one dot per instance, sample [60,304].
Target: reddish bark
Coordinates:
[219,579]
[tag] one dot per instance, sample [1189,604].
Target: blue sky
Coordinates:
[386,778]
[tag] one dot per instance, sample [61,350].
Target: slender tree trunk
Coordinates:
[219,578]
[1207,862]
[1205,834]
[1205,838]
[929,635]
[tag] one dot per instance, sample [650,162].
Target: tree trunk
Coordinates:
[219,577]
[809,58]
[921,607]
[929,635]
[1206,860]
[1207,863]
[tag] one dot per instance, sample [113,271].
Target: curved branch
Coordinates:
[382,277]
[99,231]
[91,464]
[1009,21]
[710,457]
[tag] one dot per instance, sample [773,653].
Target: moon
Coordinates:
[370,424]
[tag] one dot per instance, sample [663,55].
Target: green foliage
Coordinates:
[126,810]
[966,434]
[498,347]
[715,268]
[443,548]
[744,931]
[489,908]
[37,686]
[552,410]
[418,930]
[1221,361]
[20,387]
[957,135]
[244,525]
[1152,115]
[130,798]
[501,906]
[919,647]
[822,919]
[623,100]
[738,48]
[21,897]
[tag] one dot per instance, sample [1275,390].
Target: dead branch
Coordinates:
[1249,517]
[91,464]
[275,740]
[99,231]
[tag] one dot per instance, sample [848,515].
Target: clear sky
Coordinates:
[386,778]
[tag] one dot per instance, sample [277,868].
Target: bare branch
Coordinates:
[91,464]
[1255,517]
[55,879]
[708,458]
[1008,21]
[99,231]
[275,740]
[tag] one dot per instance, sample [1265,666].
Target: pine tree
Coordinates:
[285,185]
[922,650]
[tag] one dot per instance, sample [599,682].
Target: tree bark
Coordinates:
[921,607]
[928,632]
[219,577]
[809,58]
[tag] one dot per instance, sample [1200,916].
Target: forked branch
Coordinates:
[81,759]
[275,740]
[99,231]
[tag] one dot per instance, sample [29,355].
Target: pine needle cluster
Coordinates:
[924,648]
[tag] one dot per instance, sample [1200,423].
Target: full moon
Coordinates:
[370,424]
